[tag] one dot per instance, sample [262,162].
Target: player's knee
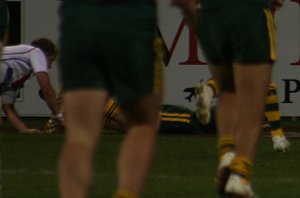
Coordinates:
[82,138]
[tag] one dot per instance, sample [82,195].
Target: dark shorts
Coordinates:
[109,47]
[242,33]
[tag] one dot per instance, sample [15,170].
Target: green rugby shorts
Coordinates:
[109,47]
[242,33]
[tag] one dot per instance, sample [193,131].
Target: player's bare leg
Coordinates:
[225,117]
[137,149]
[83,126]
[251,82]
[226,137]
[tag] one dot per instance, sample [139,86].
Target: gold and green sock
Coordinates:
[242,166]
[272,112]
[224,145]
[213,83]
[277,132]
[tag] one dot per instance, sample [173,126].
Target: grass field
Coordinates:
[184,167]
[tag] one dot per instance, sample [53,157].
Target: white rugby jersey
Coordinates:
[23,60]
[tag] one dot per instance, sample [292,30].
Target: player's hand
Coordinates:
[31,131]
[54,124]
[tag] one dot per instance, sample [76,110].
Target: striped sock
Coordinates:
[213,83]
[242,165]
[272,111]
[224,145]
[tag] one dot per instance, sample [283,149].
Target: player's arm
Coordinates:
[54,124]
[14,119]
[48,91]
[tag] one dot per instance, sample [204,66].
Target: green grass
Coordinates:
[184,167]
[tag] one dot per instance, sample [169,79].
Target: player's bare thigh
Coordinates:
[83,112]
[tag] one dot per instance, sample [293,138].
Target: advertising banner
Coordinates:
[184,64]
